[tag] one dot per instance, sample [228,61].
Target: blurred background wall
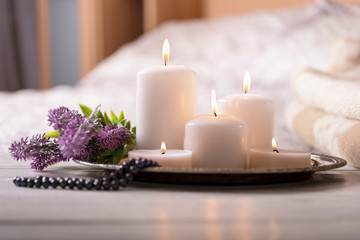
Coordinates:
[18,45]
[63,41]
[44,43]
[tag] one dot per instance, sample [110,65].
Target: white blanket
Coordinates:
[271,45]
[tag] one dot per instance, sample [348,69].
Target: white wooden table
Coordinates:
[324,207]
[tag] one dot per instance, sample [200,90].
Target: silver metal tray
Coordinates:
[229,176]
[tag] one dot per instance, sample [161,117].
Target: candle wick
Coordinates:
[165,63]
[246,92]
[275,150]
[162,152]
[215,114]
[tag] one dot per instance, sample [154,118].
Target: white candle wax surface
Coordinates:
[257,111]
[165,100]
[216,142]
[267,158]
[171,158]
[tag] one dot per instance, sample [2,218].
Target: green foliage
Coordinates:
[114,119]
[112,156]
[107,119]
[52,134]
[121,116]
[100,116]
[85,110]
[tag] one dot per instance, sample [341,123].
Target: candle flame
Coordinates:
[163,147]
[166,51]
[273,143]
[213,102]
[247,81]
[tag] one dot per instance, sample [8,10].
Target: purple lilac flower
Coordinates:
[112,137]
[91,152]
[60,117]
[78,133]
[20,150]
[42,151]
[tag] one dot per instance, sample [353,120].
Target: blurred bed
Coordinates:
[272,45]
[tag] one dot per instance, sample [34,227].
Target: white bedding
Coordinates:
[271,45]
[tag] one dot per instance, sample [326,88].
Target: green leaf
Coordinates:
[100,116]
[106,156]
[122,122]
[106,159]
[121,116]
[114,118]
[128,125]
[52,134]
[107,119]
[107,153]
[118,154]
[85,110]
[133,130]
[130,142]
[127,149]
[97,108]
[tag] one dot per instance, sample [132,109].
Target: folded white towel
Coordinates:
[326,111]
[334,93]
[346,54]
[330,134]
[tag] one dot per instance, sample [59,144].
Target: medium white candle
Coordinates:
[278,158]
[165,100]
[256,110]
[216,141]
[165,157]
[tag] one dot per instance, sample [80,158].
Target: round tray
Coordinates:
[229,176]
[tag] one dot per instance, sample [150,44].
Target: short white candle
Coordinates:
[256,110]
[216,141]
[278,158]
[165,157]
[165,100]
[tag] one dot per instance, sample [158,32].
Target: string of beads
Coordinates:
[119,178]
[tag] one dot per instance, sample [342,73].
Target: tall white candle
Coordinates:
[165,100]
[216,141]
[256,110]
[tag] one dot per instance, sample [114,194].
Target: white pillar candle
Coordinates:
[165,157]
[216,141]
[256,110]
[165,100]
[278,158]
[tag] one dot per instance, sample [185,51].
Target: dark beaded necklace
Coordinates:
[116,179]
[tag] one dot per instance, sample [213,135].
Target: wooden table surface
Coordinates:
[326,206]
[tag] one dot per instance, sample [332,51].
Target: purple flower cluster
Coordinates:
[112,137]
[79,137]
[41,150]
[76,136]
[59,118]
